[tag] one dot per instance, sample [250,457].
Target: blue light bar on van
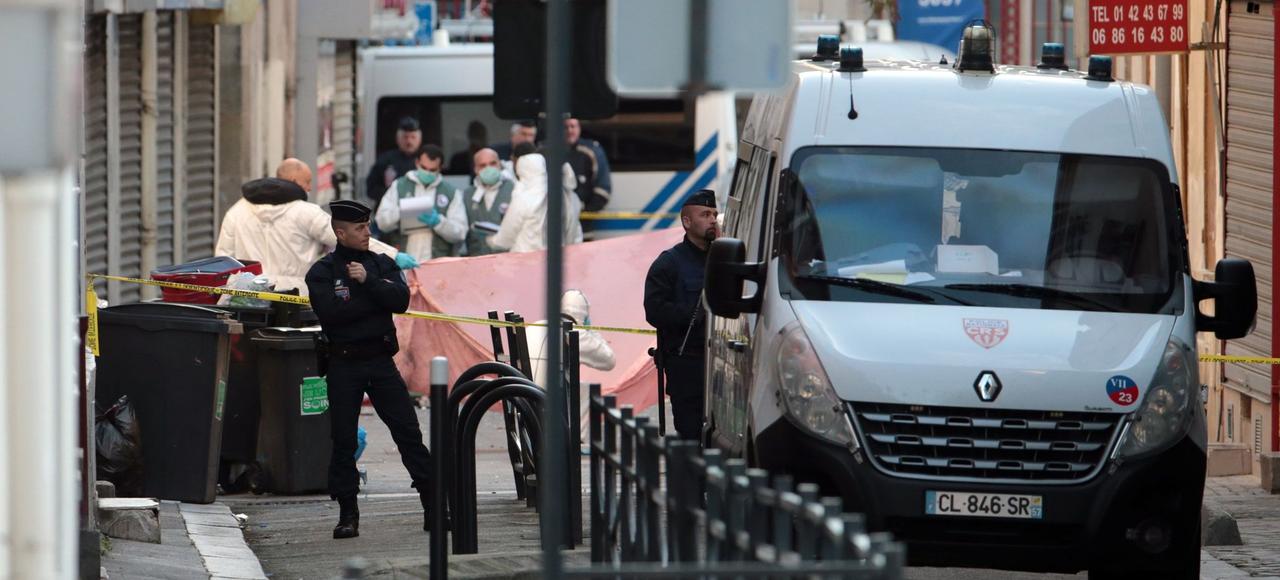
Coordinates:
[1052,56]
[1100,69]
[828,48]
[851,60]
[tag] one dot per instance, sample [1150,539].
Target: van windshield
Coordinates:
[980,228]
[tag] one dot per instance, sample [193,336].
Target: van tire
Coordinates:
[1187,567]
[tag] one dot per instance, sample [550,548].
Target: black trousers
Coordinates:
[685,379]
[349,380]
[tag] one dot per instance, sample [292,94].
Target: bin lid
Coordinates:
[202,266]
[155,316]
[286,338]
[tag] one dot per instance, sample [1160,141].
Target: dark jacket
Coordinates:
[377,183]
[352,313]
[591,167]
[673,299]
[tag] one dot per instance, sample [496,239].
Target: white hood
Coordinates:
[269,214]
[1045,359]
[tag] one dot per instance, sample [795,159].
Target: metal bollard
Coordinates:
[439,442]
[354,568]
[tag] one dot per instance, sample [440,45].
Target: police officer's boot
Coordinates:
[425,496]
[348,519]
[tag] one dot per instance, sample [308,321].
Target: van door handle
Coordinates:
[737,346]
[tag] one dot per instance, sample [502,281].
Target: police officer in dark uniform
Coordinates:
[393,164]
[673,305]
[354,293]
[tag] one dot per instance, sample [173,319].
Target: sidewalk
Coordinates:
[196,541]
[1258,516]
[292,535]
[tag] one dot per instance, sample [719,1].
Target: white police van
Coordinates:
[660,150]
[959,297]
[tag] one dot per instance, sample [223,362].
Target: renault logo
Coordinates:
[987,386]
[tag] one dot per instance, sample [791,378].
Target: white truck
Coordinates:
[660,150]
[958,296]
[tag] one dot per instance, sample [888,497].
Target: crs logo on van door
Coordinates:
[987,332]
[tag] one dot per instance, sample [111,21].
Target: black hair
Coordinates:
[522,149]
[433,152]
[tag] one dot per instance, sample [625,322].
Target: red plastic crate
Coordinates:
[214,279]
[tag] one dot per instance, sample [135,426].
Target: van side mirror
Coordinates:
[1235,299]
[727,270]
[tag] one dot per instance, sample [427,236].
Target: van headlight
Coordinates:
[806,392]
[1166,409]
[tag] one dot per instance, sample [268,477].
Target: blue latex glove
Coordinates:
[430,219]
[361,441]
[405,261]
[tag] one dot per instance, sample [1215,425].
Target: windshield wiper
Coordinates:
[873,286]
[1032,291]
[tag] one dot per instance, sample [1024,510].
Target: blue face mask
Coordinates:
[490,175]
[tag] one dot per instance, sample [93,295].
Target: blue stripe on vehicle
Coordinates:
[702,182]
[673,185]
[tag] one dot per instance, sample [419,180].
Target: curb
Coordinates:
[1212,568]
[217,536]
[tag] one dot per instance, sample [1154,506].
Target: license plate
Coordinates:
[987,505]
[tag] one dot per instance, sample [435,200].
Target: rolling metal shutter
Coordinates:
[199,205]
[1249,211]
[128,231]
[344,117]
[93,187]
[165,32]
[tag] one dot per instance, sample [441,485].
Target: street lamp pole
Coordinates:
[554,462]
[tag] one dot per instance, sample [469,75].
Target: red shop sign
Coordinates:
[1137,26]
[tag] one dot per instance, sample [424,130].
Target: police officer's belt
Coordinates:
[362,350]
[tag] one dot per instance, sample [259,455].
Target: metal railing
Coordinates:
[456,414]
[664,507]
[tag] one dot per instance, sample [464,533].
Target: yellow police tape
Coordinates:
[1239,359]
[625,215]
[91,307]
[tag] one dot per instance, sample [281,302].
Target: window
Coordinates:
[444,122]
[647,135]
[983,228]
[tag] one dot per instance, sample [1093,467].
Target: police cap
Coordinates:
[702,197]
[409,124]
[349,210]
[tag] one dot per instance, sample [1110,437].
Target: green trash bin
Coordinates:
[293,434]
[171,360]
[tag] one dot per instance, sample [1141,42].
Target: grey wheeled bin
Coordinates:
[293,434]
[171,360]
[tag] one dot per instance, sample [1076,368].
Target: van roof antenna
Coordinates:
[853,111]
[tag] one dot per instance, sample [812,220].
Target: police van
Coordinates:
[660,150]
[958,296]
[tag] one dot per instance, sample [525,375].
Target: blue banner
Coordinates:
[937,21]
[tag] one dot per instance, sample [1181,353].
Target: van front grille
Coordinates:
[925,442]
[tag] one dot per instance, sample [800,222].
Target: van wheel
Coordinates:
[1186,566]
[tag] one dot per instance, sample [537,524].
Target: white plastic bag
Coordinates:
[245,281]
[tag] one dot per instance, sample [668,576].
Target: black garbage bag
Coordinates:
[119,444]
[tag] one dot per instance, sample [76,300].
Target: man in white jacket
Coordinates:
[524,227]
[275,224]
[593,350]
[438,232]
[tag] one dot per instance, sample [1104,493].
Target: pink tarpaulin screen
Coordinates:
[610,272]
